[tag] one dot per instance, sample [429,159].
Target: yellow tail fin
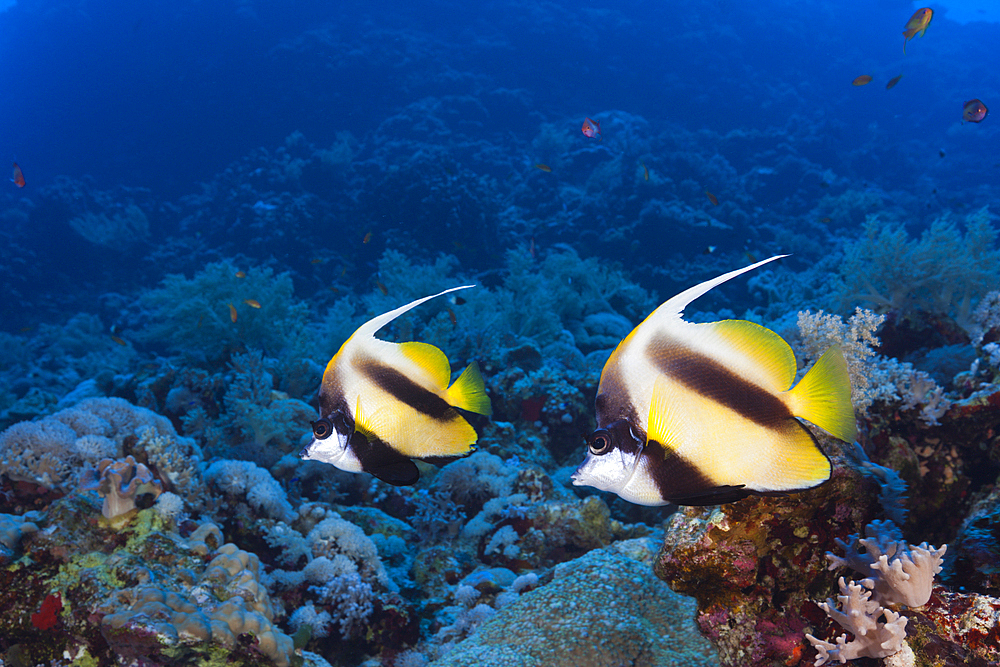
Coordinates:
[469,392]
[823,396]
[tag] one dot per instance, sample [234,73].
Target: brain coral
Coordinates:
[601,610]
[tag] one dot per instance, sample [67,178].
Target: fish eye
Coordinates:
[600,442]
[322,428]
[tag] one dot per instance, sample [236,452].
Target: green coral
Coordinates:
[193,316]
[945,271]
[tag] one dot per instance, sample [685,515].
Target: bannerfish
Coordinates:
[917,25]
[703,414]
[383,404]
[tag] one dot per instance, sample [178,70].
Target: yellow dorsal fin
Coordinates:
[431,359]
[469,392]
[772,358]
[823,396]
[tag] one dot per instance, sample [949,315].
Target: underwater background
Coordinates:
[208,198]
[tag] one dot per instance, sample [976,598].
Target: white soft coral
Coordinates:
[898,575]
[860,615]
[902,574]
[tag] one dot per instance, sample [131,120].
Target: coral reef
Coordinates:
[604,609]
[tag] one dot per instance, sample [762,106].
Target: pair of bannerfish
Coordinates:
[693,414]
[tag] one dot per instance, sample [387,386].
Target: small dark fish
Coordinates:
[712,198]
[862,80]
[893,81]
[974,111]
[825,220]
[941,152]
[452,317]
[544,167]
[316,260]
[709,250]
[645,172]
[119,340]
[457,300]
[381,287]
[18,177]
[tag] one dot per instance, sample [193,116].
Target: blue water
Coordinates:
[164,95]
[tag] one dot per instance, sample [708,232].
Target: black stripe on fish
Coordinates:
[382,461]
[681,482]
[614,403]
[708,378]
[407,391]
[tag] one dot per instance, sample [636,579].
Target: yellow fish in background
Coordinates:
[917,25]
[383,404]
[703,414]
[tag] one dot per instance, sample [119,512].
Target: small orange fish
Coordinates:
[241,274]
[712,198]
[367,239]
[200,320]
[253,303]
[18,178]
[232,312]
[451,316]
[893,81]
[316,260]
[917,25]
[381,288]
[544,167]
[974,111]
[592,128]
[645,172]
[25,329]
[119,340]
[862,80]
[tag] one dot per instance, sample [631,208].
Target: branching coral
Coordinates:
[261,490]
[900,575]
[194,316]
[121,230]
[946,271]
[874,378]
[860,615]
